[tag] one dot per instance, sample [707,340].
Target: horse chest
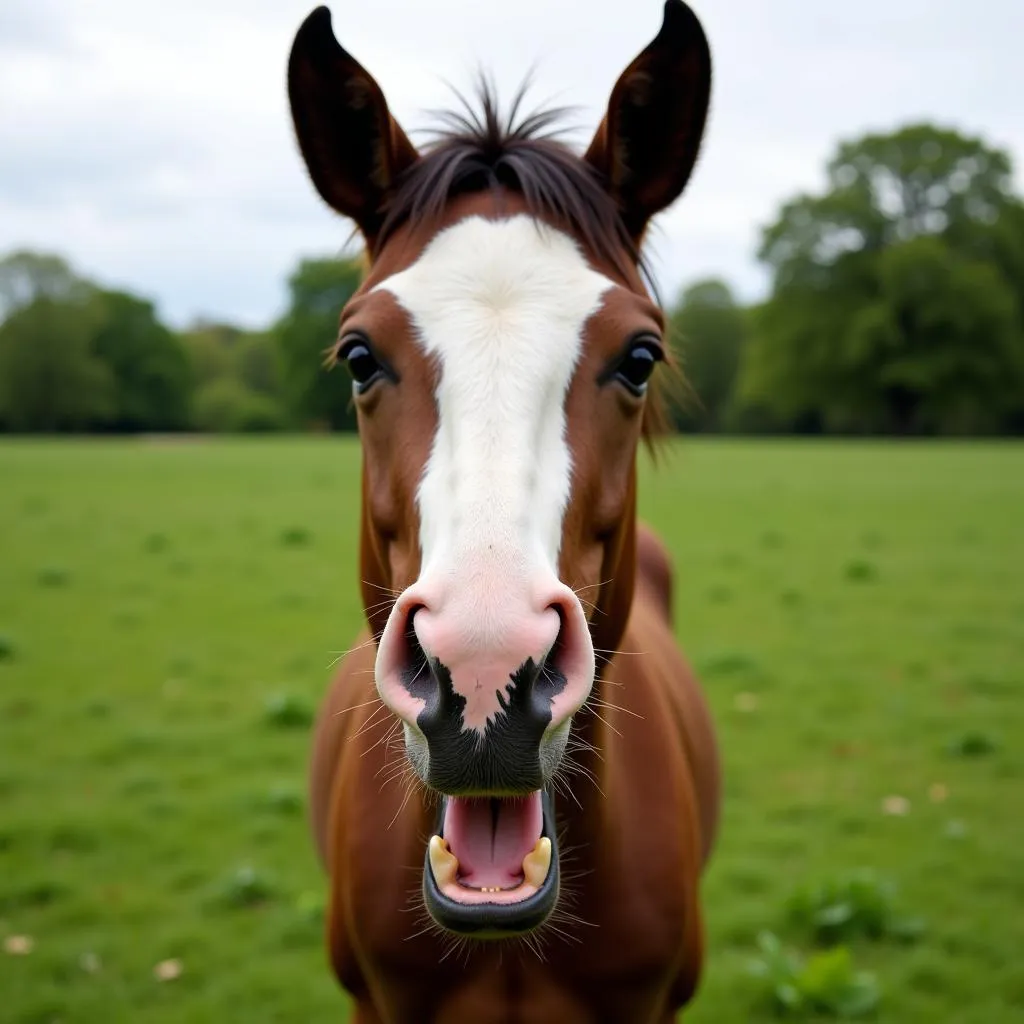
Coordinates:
[621,960]
[512,986]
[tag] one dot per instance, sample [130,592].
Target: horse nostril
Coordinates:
[410,624]
[568,671]
[550,672]
[416,671]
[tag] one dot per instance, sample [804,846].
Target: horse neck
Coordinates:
[608,627]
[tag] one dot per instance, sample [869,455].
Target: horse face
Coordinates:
[500,364]
[500,433]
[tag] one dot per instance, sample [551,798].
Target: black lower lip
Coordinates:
[496,920]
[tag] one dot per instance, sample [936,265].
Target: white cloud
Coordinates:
[152,144]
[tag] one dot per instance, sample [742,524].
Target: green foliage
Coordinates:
[855,905]
[898,302]
[316,396]
[76,357]
[210,350]
[149,366]
[28,276]
[257,363]
[51,378]
[825,984]
[710,331]
[227,405]
[237,377]
[884,189]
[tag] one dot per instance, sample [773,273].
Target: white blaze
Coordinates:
[501,305]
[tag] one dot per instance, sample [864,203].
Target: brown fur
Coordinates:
[638,841]
[639,796]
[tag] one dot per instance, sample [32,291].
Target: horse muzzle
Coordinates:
[486,687]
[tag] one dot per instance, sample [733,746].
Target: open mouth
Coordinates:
[492,868]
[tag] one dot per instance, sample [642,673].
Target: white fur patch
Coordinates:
[501,304]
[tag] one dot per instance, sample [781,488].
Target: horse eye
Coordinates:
[362,364]
[637,365]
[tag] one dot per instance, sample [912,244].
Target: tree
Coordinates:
[709,330]
[237,378]
[26,276]
[898,298]
[226,404]
[257,363]
[50,377]
[210,348]
[147,362]
[318,288]
[77,357]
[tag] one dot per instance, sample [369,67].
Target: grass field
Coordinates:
[168,611]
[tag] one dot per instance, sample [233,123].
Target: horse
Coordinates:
[514,782]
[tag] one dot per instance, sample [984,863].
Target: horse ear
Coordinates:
[647,143]
[353,148]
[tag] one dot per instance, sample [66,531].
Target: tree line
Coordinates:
[78,357]
[896,307]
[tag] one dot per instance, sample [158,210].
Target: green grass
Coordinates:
[168,612]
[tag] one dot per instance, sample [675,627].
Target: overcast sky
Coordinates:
[151,143]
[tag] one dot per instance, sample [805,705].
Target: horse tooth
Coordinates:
[443,862]
[537,863]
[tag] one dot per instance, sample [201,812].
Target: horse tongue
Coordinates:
[490,837]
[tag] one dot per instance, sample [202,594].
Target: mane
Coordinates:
[477,149]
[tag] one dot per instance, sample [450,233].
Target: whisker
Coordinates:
[562,787]
[613,707]
[387,736]
[457,944]
[341,655]
[591,586]
[574,767]
[393,770]
[381,588]
[408,794]
[356,707]
[584,748]
[372,720]
[601,718]
[402,771]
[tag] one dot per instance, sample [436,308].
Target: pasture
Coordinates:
[169,610]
